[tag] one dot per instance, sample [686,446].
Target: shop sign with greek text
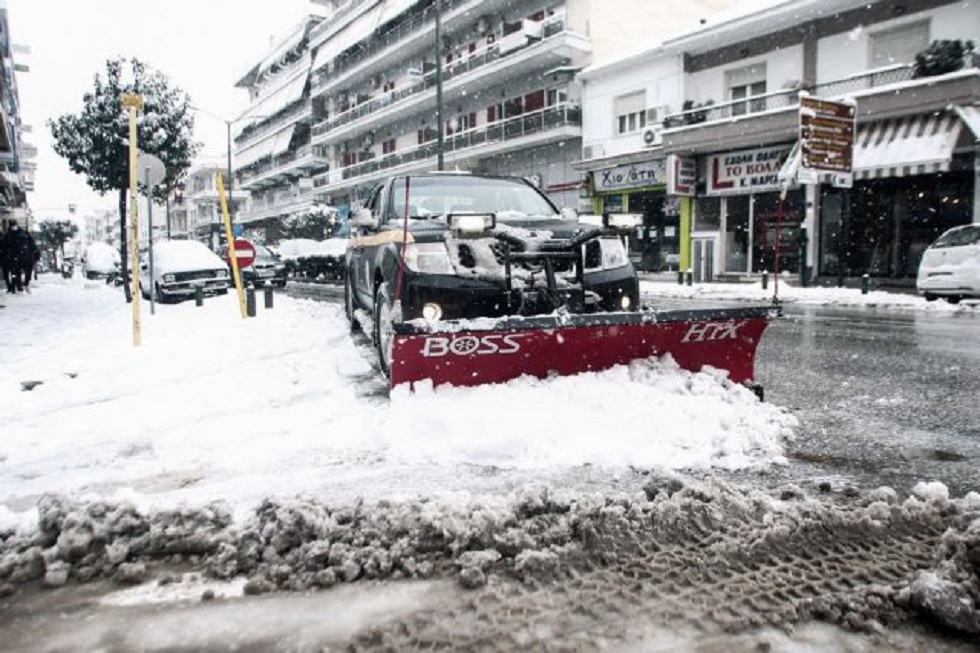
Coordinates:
[746,171]
[647,173]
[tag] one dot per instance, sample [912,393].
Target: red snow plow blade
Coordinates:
[469,353]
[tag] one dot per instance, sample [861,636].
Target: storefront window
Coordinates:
[737,233]
[891,222]
[658,244]
[766,239]
[707,214]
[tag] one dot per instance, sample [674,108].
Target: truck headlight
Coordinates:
[431,258]
[169,278]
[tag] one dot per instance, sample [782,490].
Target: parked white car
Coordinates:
[950,267]
[179,267]
[100,261]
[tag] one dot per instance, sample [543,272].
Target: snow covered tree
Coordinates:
[941,57]
[95,141]
[52,236]
[317,224]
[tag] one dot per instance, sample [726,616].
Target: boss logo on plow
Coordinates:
[436,346]
[703,331]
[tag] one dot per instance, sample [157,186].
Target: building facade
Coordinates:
[17,156]
[505,72]
[274,160]
[717,110]
[195,208]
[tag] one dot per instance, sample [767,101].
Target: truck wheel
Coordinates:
[349,307]
[383,332]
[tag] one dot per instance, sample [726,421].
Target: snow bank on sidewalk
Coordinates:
[814,296]
[214,407]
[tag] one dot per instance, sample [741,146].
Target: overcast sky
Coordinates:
[205,46]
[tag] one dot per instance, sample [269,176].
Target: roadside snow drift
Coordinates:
[212,406]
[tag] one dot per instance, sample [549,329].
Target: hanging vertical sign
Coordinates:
[681,175]
[827,138]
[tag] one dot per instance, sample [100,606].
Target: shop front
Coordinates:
[641,188]
[915,177]
[741,224]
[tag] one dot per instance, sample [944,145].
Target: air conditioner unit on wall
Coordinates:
[657,114]
[653,136]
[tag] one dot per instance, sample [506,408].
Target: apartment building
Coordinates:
[274,161]
[195,208]
[505,71]
[17,156]
[699,132]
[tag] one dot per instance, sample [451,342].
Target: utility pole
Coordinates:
[441,143]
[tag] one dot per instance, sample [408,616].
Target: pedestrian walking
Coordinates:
[20,256]
[8,279]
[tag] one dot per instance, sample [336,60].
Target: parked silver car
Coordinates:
[179,267]
[950,267]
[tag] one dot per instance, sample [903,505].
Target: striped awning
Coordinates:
[911,145]
[970,115]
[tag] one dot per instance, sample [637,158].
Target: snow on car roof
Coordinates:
[184,256]
[101,257]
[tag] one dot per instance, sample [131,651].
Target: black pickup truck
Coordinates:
[439,247]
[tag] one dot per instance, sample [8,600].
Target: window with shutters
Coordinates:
[745,83]
[898,45]
[629,113]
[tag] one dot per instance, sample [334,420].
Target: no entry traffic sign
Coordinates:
[244,252]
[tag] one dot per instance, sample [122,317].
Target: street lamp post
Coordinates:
[231,172]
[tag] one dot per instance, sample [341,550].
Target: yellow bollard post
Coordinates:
[236,274]
[132,103]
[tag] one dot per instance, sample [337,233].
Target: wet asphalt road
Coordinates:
[884,397]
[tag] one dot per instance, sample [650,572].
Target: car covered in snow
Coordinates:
[950,267]
[477,246]
[179,268]
[100,261]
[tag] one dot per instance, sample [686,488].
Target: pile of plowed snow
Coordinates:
[706,552]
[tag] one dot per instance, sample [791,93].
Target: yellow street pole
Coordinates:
[231,242]
[132,103]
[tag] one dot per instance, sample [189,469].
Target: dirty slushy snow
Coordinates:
[227,458]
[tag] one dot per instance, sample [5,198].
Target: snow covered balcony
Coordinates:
[880,94]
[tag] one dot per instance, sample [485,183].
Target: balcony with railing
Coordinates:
[272,205]
[881,93]
[412,34]
[551,50]
[531,129]
[299,111]
[290,163]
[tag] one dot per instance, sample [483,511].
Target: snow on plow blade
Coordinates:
[477,352]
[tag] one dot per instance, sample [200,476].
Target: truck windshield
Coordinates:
[438,195]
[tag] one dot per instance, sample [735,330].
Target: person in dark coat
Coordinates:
[8,279]
[21,255]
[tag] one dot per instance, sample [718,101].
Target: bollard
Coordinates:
[680,277]
[765,279]
[268,294]
[690,277]
[199,295]
[865,284]
[250,301]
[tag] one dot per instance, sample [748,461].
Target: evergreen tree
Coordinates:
[52,236]
[318,224]
[95,141]
[941,57]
